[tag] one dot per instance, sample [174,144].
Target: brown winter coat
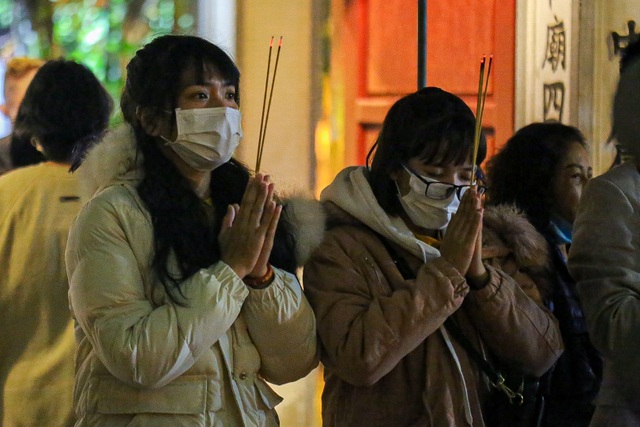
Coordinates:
[388,359]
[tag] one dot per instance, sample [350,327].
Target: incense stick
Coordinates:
[263,131]
[264,102]
[478,127]
[486,89]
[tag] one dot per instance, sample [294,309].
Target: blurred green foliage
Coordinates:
[102,34]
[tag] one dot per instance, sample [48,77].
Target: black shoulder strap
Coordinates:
[495,377]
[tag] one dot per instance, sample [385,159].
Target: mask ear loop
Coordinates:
[172,113]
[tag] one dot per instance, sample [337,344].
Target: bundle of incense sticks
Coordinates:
[483,86]
[265,115]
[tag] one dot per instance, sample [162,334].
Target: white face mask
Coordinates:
[426,212]
[207,137]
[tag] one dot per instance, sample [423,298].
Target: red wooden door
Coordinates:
[374,59]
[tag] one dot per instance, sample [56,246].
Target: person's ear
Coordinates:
[396,173]
[36,144]
[149,120]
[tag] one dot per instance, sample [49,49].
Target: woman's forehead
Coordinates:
[197,73]
[446,155]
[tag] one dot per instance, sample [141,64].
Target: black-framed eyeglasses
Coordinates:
[441,190]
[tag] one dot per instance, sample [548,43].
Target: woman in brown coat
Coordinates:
[389,359]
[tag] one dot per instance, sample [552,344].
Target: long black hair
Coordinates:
[434,125]
[183,225]
[524,170]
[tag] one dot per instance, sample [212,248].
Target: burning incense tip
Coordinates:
[271,42]
[280,42]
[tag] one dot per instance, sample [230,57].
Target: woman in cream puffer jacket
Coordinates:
[180,266]
[143,359]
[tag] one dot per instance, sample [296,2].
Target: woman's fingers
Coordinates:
[464,222]
[253,201]
[273,224]
[227,221]
[269,210]
[269,238]
[246,236]
[459,243]
[476,267]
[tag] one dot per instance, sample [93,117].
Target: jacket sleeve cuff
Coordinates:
[228,280]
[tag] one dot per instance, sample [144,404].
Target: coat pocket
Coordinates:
[190,395]
[269,397]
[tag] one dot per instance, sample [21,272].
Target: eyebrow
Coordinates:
[575,165]
[225,82]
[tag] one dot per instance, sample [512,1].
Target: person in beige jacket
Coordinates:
[180,279]
[389,358]
[37,207]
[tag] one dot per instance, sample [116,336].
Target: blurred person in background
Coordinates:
[550,164]
[18,74]
[604,259]
[64,105]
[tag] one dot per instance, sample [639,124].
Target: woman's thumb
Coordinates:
[227,221]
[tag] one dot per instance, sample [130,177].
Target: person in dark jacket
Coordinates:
[605,261]
[542,170]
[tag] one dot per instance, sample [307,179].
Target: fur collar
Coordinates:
[114,159]
[306,218]
[508,229]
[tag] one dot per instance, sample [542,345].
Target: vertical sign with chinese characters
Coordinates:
[553,35]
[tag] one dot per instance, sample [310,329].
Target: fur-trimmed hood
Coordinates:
[506,228]
[511,242]
[351,193]
[116,160]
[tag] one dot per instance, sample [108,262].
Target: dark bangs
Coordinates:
[209,58]
[433,125]
[152,74]
[452,142]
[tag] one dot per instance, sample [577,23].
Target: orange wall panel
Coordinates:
[380,61]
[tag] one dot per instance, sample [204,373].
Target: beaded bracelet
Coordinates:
[260,282]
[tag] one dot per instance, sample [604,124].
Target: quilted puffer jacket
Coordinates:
[143,360]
